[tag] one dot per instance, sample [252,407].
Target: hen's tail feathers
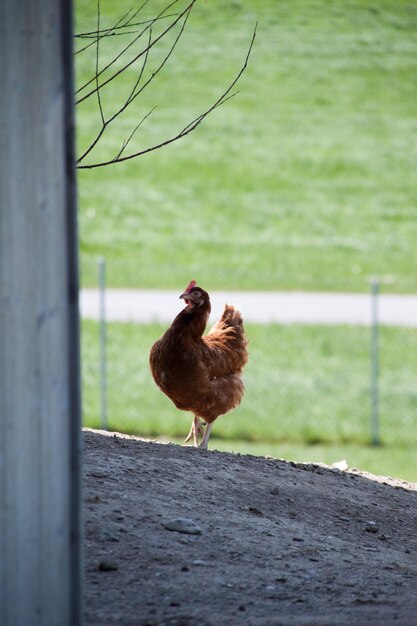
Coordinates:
[228,336]
[232,316]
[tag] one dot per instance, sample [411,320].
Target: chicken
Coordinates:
[201,374]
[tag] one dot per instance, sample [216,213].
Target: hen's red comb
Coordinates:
[190,286]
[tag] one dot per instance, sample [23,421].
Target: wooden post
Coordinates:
[39,334]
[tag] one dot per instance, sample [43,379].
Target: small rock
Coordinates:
[340,465]
[371,527]
[275,491]
[183,525]
[98,474]
[93,500]
[107,566]
[255,511]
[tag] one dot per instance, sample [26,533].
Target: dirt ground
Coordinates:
[267,542]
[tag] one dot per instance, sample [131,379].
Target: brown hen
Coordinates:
[201,374]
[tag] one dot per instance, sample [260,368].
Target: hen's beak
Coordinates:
[187,299]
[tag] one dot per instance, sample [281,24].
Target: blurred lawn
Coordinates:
[303,383]
[305,180]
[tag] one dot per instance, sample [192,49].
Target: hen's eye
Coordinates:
[196,293]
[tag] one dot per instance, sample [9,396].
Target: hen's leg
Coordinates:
[204,441]
[195,431]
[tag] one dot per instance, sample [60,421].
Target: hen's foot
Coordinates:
[196,431]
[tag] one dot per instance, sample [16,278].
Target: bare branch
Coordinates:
[110,120]
[111,32]
[135,92]
[187,129]
[106,123]
[136,57]
[93,144]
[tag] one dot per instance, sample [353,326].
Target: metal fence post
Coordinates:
[103,343]
[374,363]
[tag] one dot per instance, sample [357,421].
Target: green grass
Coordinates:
[305,180]
[303,384]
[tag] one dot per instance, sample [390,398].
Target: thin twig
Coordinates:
[134,40]
[223,97]
[106,33]
[139,78]
[97,57]
[127,141]
[167,56]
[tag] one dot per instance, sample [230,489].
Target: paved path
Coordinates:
[124,305]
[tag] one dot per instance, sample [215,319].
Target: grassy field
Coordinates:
[305,180]
[304,383]
[307,395]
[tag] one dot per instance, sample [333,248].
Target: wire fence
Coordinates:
[304,382]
